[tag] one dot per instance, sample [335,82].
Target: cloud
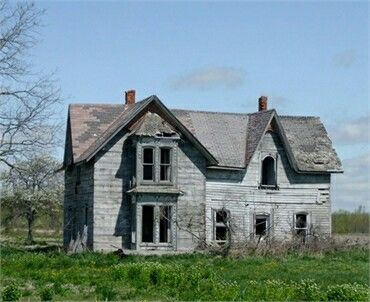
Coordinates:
[352,189]
[210,78]
[352,132]
[344,59]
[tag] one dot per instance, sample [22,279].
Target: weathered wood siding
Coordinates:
[114,167]
[78,203]
[240,193]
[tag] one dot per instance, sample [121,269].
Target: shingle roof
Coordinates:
[231,138]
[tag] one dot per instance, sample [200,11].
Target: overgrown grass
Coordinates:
[345,222]
[336,275]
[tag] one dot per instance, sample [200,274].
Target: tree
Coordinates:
[27,98]
[32,188]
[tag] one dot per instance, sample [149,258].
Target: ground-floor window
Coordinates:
[261,225]
[147,224]
[221,225]
[301,224]
[156,224]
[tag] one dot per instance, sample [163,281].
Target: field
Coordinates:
[51,274]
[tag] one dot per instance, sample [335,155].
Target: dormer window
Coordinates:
[165,164]
[148,164]
[268,173]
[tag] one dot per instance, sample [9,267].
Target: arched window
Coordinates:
[268,172]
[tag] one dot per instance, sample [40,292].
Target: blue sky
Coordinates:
[310,58]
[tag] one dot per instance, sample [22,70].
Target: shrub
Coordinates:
[309,290]
[11,293]
[46,293]
[347,292]
[106,292]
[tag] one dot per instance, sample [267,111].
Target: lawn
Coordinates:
[336,275]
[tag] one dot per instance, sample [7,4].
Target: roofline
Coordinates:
[226,168]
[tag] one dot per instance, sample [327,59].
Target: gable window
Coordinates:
[148,164]
[261,225]
[301,224]
[221,223]
[165,164]
[268,177]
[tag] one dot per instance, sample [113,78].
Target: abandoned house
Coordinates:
[142,176]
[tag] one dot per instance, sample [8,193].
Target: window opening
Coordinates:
[221,225]
[147,224]
[301,224]
[165,164]
[261,225]
[148,164]
[268,172]
[165,224]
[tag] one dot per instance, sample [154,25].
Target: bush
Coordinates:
[348,292]
[106,292]
[11,293]
[46,293]
[308,290]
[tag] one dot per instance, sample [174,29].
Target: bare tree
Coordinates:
[27,98]
[32,187]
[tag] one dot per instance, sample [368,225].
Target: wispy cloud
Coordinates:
[210,78]
[352,189]
[344,59]
[352,132]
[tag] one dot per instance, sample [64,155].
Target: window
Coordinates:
[221,225]
[147,224]
[268,178]
[148,164]
[301,224]
[165,164]
[164,224]
[261,225]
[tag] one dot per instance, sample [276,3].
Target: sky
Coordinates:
[309,58]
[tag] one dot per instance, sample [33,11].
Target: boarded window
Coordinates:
[221,223]
[268,172]
[261,225]
[301,224]
[165,164]
[148,164]
[165,224]
[147,224]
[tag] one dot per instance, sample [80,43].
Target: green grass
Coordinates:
[345,222]
[337,275]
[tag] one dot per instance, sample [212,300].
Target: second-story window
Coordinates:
[148,164]
[268,177]
[165,164]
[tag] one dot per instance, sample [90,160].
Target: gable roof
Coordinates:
[225,139]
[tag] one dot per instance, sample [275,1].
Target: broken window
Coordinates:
[268,172]
[165,164]
[301,225]
[164,224]
[147,224]
[261,225]
[148,164]
[221,225]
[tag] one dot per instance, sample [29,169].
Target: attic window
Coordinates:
[148,164]
[268,177]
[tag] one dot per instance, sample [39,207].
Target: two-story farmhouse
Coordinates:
[141,176]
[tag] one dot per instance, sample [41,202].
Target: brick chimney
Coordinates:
[130,97]
[262,103]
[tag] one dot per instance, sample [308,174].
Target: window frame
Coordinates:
[153,164]
[267,186]
[170,164]
[221,224]
[306,228]
[268,224]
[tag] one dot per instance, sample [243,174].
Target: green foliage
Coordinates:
[337,275]
[345,222]
[106,292]
[46,293]
[11,292]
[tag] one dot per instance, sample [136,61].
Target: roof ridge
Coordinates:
[212,112]
[107,104]
[299,116]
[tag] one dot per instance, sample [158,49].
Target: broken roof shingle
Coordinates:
[231,138]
